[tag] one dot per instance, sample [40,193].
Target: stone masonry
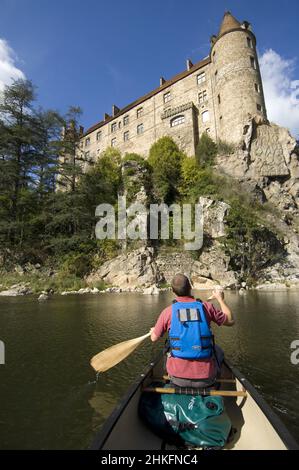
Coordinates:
[215,95]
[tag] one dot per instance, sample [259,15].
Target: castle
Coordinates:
[216,95]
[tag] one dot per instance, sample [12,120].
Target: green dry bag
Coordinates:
[190,420]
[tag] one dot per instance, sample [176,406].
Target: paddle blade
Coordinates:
[115,354]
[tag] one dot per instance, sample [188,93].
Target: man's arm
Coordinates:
[219,295]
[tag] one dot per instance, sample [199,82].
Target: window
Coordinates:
[249,42]
[113,127]
[167,97]
[140,129]
[87,155]
[99,135]
[126,136]
[113,142]
[87,142]
[119,124]
[258,106]
[202,96]
[257,88]
[201,78]
[139,112]
[252,62]
[176,121]
[208,130]
[205,116]
[216,73]
[219,99]
[126,120]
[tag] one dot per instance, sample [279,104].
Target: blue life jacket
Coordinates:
[190,335]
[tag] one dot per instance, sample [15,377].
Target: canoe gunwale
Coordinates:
[107,428]
[111,421]
[272,417]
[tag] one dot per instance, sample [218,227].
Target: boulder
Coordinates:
[152,290]
[16,290]
[214,213]
[43,297]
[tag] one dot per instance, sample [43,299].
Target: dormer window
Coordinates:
[167,97]
[201,77]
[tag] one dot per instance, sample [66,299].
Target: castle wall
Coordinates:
[157,117]
[219,105]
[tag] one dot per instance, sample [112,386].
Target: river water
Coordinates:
[48,395]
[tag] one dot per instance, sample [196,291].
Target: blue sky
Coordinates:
[96,53]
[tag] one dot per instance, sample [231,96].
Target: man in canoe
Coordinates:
[193,360]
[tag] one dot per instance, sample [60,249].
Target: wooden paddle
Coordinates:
[115,354]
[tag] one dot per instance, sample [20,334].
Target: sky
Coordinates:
[96,53]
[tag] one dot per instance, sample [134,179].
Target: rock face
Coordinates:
[267,165]
[129,270]
[145,268]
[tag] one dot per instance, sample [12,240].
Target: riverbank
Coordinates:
[43,291]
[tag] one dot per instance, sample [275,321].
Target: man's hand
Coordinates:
[217,294]
[153,336]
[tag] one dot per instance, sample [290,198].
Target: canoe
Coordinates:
[256,425]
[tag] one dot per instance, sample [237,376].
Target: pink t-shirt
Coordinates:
[183,368]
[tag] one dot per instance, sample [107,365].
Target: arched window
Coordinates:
[205,116]
[176,121]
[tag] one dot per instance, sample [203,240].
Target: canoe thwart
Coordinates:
[196,391]
[166,378]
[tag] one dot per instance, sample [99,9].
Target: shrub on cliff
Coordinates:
[250,245]
[136,172]
[206,151]
[166,160]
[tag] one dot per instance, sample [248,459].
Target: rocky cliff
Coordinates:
[266,166]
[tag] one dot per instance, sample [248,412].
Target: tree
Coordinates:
[166,159]
[206,151]
[24,157]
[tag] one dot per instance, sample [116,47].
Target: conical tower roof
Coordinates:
[229,23]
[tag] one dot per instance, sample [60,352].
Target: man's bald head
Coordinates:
[181,285]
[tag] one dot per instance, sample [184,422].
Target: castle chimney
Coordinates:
[162,81]
[106,116]
[189,64]
[115,110]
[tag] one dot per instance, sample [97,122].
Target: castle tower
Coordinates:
[236,78]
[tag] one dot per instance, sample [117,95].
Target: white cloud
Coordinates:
[281,90]
[8,68]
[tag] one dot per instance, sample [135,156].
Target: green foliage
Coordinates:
[76,264]
[197,181]
[166,160]
[206,151]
